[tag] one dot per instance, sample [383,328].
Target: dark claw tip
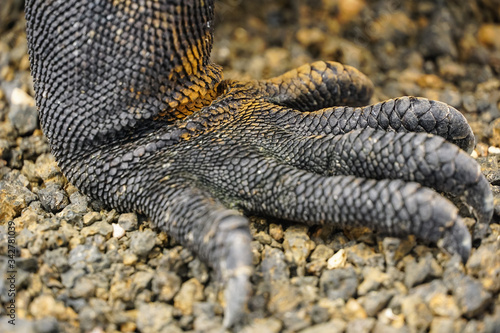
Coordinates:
[480,199]
[457,239]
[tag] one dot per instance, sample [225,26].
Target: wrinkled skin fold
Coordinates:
[139,119]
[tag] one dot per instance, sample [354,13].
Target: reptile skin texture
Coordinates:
[140,119]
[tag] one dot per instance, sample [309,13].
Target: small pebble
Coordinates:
[91,217]
[142,242]
[339,283]
[333,326]
[191,291]
[128,221]
[154,317]
[118,231]
[338,260]
[493,150]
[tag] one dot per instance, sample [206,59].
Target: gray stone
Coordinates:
[155,317]
[84,287]
[46,167]
[372,279]
[205,319]
[46,325]
[57,258]
[141,280]
[70,277]
[273,265]
[191,291]
[85,256]
[22,325]
[75,211]
[442,325]
[53,198]
[362,255]
[484,263]
[165,284]
[27,264]
[98,228]
[33,146]
[386,328]
[297,244]
[339,283]
[91,217]
[492,322]
[24,118]
[15,195]
[142,242]
[128,221]
[470,295]
[375,301]
[321,252]
[361,325]
[417,272]
[29,170]
[94,314]
[263,238]
[319,314]
[428,290]
[334,326]
[294,321]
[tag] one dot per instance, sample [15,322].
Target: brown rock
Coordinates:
[444,305]
[276,231]
[488,35]
[333,326]
[45,305]
[191,291]
[417,314]
[263,325]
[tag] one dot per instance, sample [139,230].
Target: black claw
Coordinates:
[460,133]
[457,239]
[480,199]
[476,191]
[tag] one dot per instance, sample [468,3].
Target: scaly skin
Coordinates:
[139,119]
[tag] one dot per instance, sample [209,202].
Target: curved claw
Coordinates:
[459,133]
[236,267]
[220,236]
[477,192]
[457,239]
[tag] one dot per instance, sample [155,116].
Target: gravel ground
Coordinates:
[82,267]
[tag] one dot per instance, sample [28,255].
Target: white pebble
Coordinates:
[19,97]
[493,150]
[118,231]
[338,260]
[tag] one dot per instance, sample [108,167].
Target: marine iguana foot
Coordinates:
[138,118]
